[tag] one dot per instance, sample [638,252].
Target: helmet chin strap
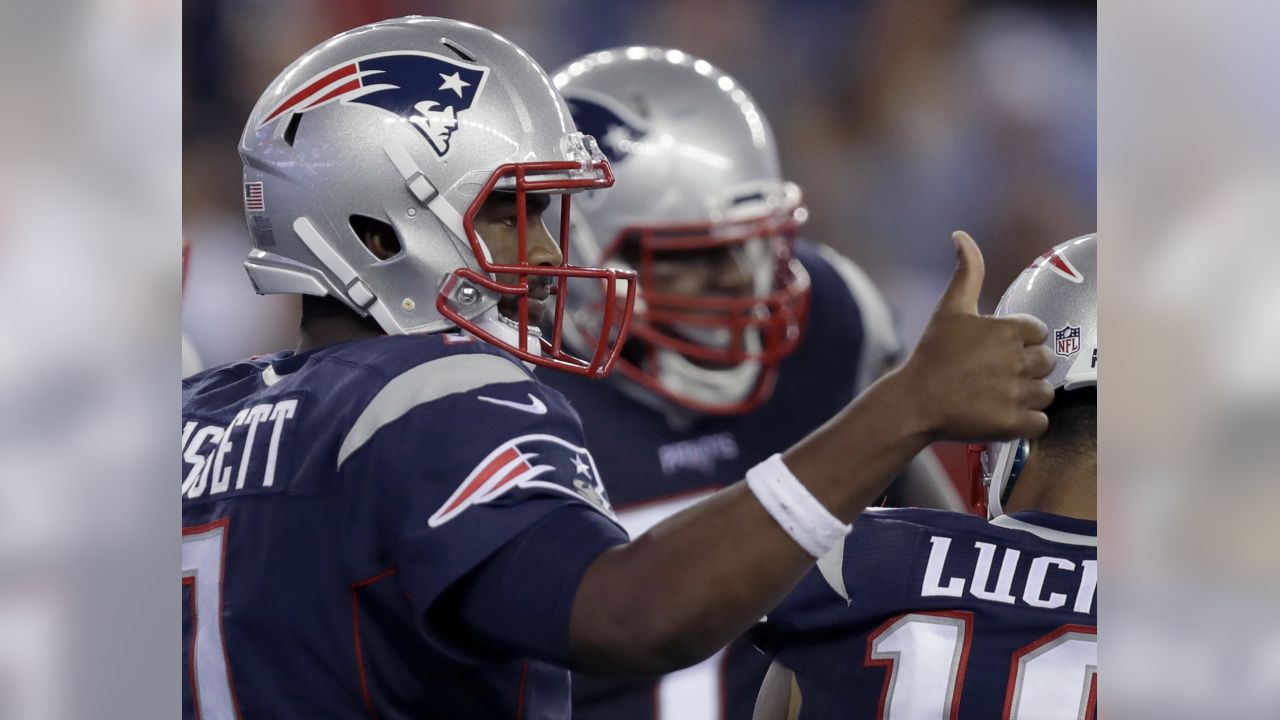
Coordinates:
[719,386]
[503,328]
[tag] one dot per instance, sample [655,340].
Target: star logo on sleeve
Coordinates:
[581,467]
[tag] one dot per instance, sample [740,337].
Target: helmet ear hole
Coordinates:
[378,237]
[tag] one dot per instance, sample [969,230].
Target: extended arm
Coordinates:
[697,580]
[694,582]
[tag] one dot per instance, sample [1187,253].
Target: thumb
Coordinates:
[961,295]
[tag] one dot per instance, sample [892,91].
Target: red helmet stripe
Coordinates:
[311,89]
[1061,265]
[343,88]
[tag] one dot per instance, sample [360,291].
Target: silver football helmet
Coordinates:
[1061,289]
[698,170]
[414,122]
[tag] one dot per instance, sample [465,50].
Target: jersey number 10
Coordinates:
[925,655]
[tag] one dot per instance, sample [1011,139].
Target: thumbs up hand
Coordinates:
[961,295]
[974,378]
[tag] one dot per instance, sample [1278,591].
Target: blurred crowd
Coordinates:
[902,121]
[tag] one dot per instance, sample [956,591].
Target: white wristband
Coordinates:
[795,508]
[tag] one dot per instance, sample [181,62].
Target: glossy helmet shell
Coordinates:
[413,122]
[697,168]
[1061,289]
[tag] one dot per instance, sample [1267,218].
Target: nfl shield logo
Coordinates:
[1068,340]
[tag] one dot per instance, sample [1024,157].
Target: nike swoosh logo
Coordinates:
[534,406]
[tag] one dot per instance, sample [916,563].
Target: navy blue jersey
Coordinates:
[654,469]
[931,614]
[332,500]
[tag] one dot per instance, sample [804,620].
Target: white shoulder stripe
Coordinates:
[879,338]
[1045,533]
[422,384]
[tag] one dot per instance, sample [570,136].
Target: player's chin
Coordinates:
[509,307]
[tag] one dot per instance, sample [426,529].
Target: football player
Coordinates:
[396,519]
[930,614]
[744,339]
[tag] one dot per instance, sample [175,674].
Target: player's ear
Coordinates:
[378,236]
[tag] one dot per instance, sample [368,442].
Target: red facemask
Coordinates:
[776,316]
[618,284]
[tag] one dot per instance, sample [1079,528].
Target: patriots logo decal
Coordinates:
[615,128]
[519,463]
[427,90]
